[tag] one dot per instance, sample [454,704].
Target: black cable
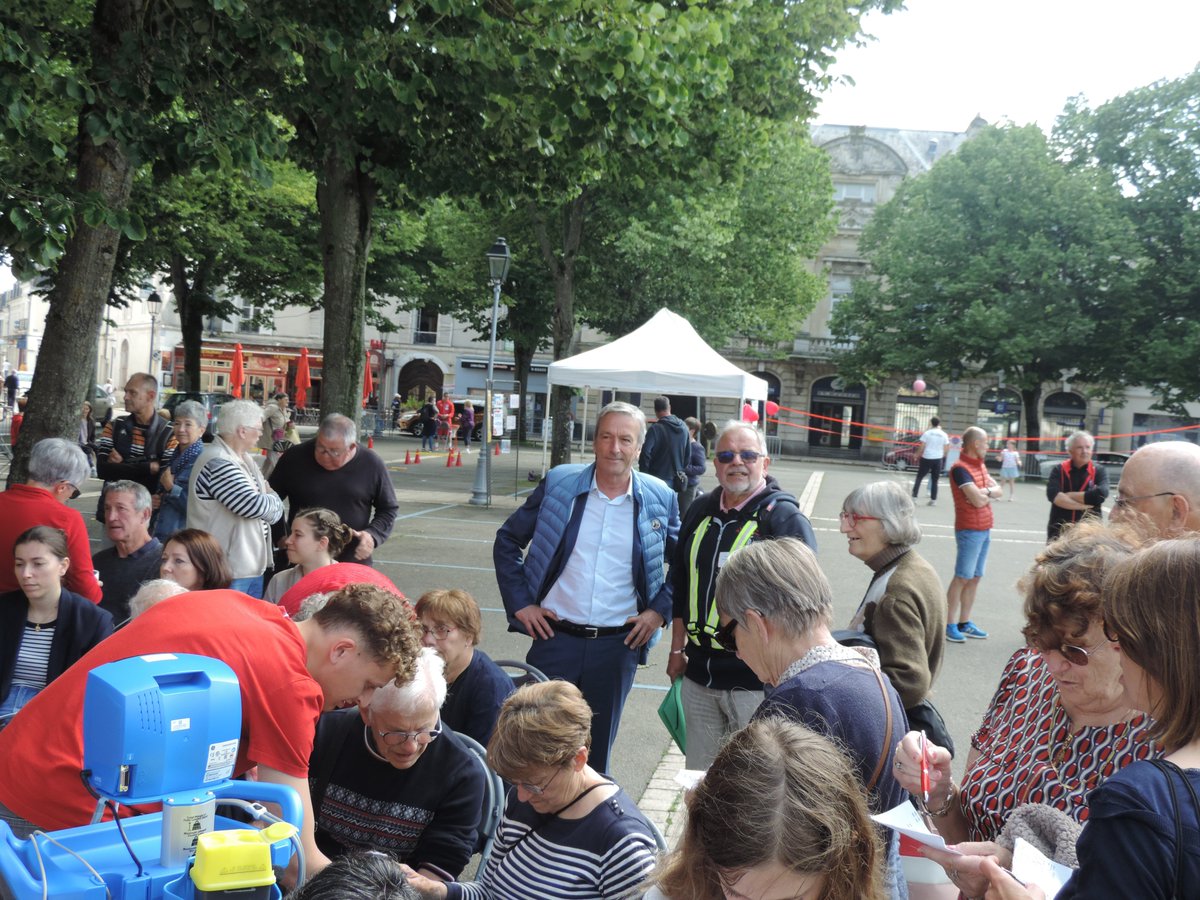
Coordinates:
[125,840]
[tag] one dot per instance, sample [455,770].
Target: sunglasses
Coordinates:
[75,491]
[725,636]
[1076,656]
[725,457]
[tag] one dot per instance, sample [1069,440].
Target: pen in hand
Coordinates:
[924,768]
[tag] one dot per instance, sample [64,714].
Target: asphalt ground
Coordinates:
[440,541]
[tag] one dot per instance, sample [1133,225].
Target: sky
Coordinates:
[937,64]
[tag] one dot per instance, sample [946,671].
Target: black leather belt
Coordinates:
[588,631]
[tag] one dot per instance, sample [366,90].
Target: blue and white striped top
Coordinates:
[606,854]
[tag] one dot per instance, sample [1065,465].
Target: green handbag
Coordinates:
[671,713]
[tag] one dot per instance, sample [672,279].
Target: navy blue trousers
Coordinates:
[603,669]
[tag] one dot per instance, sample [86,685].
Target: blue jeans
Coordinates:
[18,696]
[972,553]
[252,586]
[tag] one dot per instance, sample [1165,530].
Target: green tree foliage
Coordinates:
[91,90]
[728,256]
[1147,144]
[999,259]
[220,237]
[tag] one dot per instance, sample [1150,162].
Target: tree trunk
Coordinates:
[1030,403]
[191,302]
[63,378]
[522,361]
[346,201]
[560,259]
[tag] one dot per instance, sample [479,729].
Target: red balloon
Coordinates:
[772,408]
[918,385]
[749,413]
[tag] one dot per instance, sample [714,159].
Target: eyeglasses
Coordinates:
[396,738]
[725,636]
[438,631]
[536,790]
[852,518]
[725,457]
[75,490]
[1125,501]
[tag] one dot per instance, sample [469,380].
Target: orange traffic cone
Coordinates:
[370,442]
[496,449]
[407,458]
[449,458]
[417,461]
[458,460]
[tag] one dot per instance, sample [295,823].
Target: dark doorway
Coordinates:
[419,378]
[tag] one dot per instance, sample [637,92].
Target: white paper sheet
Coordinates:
[906,820]
[1032,867]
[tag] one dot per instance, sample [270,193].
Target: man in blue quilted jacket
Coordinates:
[591,589]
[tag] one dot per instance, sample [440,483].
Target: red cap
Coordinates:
[328,579]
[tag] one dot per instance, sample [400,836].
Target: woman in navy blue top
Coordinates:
[476,686]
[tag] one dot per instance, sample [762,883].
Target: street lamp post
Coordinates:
[498,263]
[154,302]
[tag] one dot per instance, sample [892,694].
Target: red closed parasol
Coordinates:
[238,375]
[303,380]
[368,382]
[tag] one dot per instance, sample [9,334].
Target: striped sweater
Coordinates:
[607,853]
[229,499]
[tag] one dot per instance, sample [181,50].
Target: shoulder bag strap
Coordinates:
[887,735]
[1167,769]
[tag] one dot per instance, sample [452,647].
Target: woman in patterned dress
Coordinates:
[1059,722]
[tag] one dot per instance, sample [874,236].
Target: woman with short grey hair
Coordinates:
[903,613]
[776,606]
[171,497]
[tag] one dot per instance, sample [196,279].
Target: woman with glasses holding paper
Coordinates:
[451,624]
[1060,721]
[1140,838]
[775,607]
[568,831]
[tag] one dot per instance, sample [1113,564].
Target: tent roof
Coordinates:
[664,355]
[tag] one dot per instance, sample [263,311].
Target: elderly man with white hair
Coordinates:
[229,498]
[1077,488]
[392,777]
[1160,485]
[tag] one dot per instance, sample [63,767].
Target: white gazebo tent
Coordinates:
[665,355]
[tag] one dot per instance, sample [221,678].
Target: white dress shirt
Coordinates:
[596,585]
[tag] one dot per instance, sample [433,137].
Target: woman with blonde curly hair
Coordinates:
[780,813]
[568,831]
